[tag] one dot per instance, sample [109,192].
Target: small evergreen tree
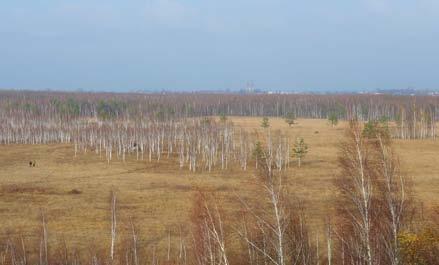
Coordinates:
[333,119]
[223,118]
[290,118]
[300,150]
[258,153]
[206,121]
[384,123]
[370,129]
[265,123]
[374,129]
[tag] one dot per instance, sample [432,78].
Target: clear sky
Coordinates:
[221,44]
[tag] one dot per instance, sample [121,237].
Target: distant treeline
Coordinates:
[414,116]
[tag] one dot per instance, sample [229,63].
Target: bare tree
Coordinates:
[275,232]
[356,187]
[134,243]
[394,196]
[44,259]
[375,199]
[208,233]
[113,224]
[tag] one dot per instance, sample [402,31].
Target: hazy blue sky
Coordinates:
[222,44]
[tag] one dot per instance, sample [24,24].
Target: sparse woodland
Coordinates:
[375,219]
[157,126]
[41,117]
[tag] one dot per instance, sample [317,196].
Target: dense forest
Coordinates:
[364,106]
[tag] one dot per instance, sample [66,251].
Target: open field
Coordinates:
[74,192]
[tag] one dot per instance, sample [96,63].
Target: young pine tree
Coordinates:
[290,119]
[223,118]
[265,122]
[258,153]
[300,150]
[333,119]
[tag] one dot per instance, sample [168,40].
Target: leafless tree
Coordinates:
[275,232]
[374,199]
[394,197]
[356,186]
[208,233]
[113,224]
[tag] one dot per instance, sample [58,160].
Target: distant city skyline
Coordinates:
[277,45]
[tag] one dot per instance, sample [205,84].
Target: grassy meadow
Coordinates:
[74,192]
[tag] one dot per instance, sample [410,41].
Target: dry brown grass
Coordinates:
[75,192]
